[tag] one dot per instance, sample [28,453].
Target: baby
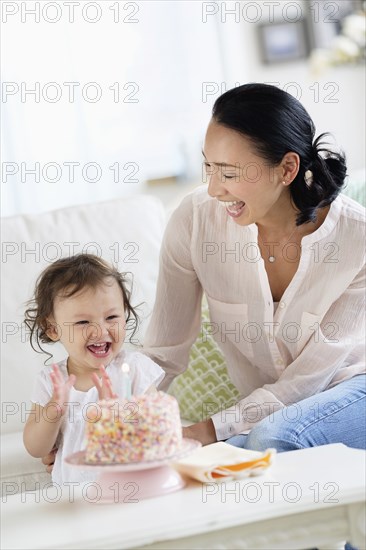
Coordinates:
[82,302]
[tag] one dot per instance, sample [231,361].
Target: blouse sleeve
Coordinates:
[313,370]
[176,316]
[42,389]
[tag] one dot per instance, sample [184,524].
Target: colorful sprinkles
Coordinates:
[144,428]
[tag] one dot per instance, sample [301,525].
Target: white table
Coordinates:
[310,498]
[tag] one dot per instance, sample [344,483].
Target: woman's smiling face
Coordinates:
[235,172]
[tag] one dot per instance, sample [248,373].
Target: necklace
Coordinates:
[271,257]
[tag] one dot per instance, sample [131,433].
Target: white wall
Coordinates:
[182,55]
[334,99]
[157,52]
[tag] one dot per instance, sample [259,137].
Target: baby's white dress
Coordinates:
[144,373]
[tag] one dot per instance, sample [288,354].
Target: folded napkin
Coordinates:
[221,460]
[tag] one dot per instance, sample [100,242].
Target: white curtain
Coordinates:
[149,68]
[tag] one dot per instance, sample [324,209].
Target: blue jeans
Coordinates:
[337,415]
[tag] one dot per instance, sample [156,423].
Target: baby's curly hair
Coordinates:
[66,277]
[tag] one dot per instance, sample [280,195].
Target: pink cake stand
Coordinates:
[136,480]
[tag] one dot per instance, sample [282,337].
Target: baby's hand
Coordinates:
[104,385]
[49,460]
[61,388]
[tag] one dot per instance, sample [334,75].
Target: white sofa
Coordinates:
[125,231]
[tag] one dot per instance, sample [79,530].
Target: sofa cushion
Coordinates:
[205,387]
[19,471]
[126,232]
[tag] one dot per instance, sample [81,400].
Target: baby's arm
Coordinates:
[41,430]
[43,423]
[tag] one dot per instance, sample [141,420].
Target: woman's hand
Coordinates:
[103,385]
[202,431]
[49,460]
[61,389]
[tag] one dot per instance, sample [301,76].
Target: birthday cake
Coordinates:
[143,428]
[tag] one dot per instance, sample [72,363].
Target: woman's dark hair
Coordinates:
[64,278]
[276,123]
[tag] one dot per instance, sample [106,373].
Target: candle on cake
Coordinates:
[126,381]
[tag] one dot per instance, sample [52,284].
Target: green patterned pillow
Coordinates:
[205,387]
[356,187]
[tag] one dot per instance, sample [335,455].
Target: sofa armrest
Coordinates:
[19,471]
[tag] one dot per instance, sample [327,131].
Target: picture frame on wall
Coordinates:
[326,19]
[283,41]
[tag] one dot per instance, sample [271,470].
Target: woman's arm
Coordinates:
[202,431]
[176,317]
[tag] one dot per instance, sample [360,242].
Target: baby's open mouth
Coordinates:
[100,350]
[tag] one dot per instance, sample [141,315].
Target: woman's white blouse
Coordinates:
[314,340]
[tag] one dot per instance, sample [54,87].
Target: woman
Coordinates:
[279,254]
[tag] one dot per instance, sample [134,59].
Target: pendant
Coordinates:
[271,259]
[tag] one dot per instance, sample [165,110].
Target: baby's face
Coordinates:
[91,325]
